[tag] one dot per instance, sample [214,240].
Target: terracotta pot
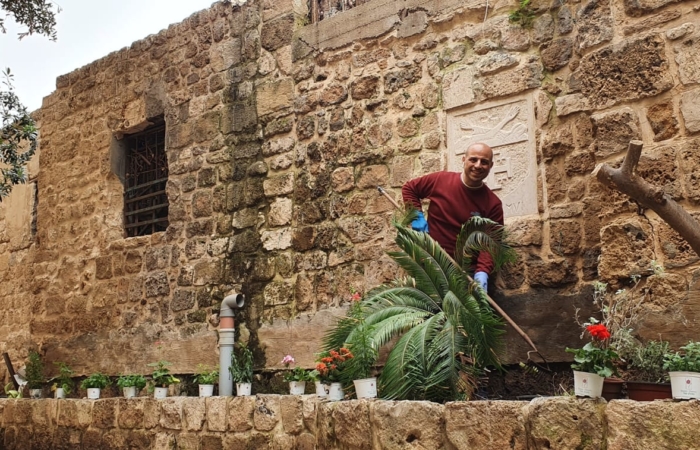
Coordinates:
[646,392]
[612,389]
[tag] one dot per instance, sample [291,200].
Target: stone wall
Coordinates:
[302,422]
[277,136]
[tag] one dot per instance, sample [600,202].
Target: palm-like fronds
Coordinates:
[483,235]
[435,313]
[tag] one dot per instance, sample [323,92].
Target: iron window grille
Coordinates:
[146,176]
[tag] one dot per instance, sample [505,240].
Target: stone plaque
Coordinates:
[508,128]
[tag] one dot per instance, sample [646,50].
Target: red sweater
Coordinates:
[451,205]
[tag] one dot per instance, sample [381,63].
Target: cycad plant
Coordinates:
[444,325]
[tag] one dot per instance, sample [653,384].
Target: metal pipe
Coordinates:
[227,340]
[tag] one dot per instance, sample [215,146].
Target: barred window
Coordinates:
[145,178]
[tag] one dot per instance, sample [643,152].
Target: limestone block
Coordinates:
[510,82]
[277,146]
[353,428]
[278,293]
[333,94]
[651,424]
[43,412]
[365,87]
[413,424]
[652,22]
[687,57]
[278,239]
[636,8]
[614,130]
[542,29]
[277,33]
[194,413]
[240,413]
[291,413]
[579,163]
[171,413]
[565,423]
[282,162]
[163,441]
[659,167]
[274,96]
[343,179]
[595,24]
[679,32]
[131,413]
[626,248]
[662,120]
[309,411]
[486,425]
[245,218]
[267,412]
[276,186]
[691,166]
[361,229]
[523,231]
[280,212]
[569,104]
[565,237]
[630,70]
[690,110]
[557,53]
[551,273]
[373,176]
[216,413]
[404,77]
[457,88]
[157,284]
[104,413]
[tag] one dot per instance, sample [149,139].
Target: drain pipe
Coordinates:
[226,340]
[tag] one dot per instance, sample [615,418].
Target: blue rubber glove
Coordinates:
[420,224]
[483,279]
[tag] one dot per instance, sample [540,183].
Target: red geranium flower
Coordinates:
[598,331]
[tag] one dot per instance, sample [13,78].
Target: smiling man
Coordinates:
[454,199]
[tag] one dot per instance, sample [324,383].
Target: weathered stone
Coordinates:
[420,425]
[565,237]
[279,185]
[569,104]
[614,130]
[523,232]
[352,424]
[557,54]
[691,166]
[267,412]
[652,22]
[451,55]
[279,239]
[690,110]
[280,212]
[658,166]
[103,268]
[550,273]
[679,32]
[626,249]
[687,56]
[216,413]
[194,413]
[291,414]
[343,179]
[595,24]
[306,127]
[579,163]
[565,21]
[365,87]
[509,82]
[333,94]
[566,422]
[663,121]
[393,81]
[274,96]
[407,127]
[639,66]
[361,229]
[241,410]
[493,62]
[157,284]
[490,424]
[277,33]
[542,29]
[171,413]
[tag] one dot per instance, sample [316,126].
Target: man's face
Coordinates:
[477,164]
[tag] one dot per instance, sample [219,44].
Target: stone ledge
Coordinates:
[305,421]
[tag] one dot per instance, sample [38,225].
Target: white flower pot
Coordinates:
[297,387]
[588,384]
[129,391]
[35,393]
[243,389]
[321,389]
[60,393]
[685,385]
[335,392]
[160,392]
[366,387]
[93,393]
[206,390]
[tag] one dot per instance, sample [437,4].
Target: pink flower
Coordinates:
[355,296]
[287,360]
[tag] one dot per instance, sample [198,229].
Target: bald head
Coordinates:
[478,161]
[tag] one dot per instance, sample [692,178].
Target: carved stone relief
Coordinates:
[508,128]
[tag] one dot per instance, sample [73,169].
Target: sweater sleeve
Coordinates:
[415,190]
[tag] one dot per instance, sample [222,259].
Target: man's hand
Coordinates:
[420,224]
[483,279]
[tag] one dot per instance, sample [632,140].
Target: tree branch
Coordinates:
[626,181]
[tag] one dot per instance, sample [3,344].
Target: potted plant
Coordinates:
[594,362]
[331,367]
[645,372]
[94,383]
[206,378]
[63,384]
[241,370]
[161,378]
[131,385]
[297,377]
[364,352]
[684,370]
[34,373]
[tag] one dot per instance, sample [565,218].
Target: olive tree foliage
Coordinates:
[18,134]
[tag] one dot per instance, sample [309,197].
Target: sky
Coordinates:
[87,30]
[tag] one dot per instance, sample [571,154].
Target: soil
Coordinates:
[525,382]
